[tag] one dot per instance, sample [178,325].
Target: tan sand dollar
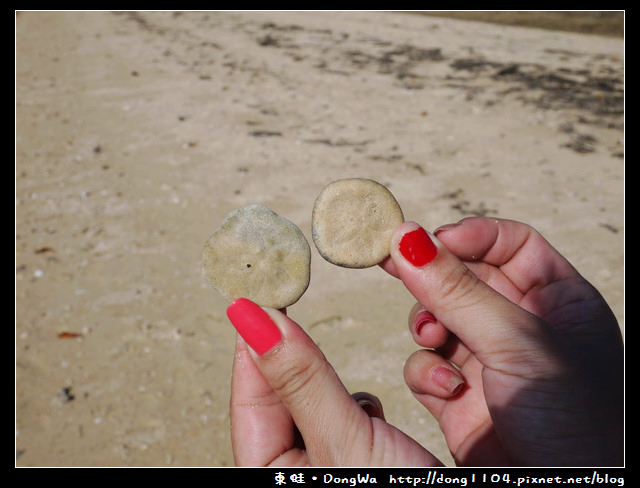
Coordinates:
[259,255]
[352,222]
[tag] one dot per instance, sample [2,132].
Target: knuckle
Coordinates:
[459,288]
[296,379]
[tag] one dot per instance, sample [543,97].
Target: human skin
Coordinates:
[523,366]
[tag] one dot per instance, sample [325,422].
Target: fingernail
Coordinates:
[371,406]
[254,325]
[445,227]
[418,248]
[447,379]
[422,319]
[368,406]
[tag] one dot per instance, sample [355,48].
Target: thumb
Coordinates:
[327,416]
[495,329]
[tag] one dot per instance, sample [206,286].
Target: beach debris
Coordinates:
[265,133]
[68,335]
[66,394]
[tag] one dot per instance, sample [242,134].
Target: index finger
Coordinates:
[514,249]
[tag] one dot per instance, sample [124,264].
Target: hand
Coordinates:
[289,408]
[539,353]
[539,349]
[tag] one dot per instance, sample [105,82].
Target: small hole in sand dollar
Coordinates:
[252,238]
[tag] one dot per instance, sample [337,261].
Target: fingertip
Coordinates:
[401,230]
[396,259]
[426,329]
[389,266]
[370,404]
[427,373]
[255,324]
[448,380]
[412,246]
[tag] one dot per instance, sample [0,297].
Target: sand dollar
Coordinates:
[259,255]
[352,222]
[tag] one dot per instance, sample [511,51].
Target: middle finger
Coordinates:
[429,332]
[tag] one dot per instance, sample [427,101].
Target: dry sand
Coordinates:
[136,133]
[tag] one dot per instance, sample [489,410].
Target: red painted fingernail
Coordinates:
[418,248]
[254,325]
[447,379]
[422,319]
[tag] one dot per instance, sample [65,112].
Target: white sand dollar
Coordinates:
[259,255]
[352,222]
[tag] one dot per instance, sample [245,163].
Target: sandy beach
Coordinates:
[137,132]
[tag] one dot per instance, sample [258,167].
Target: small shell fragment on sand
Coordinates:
[352,222]
[259,255]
